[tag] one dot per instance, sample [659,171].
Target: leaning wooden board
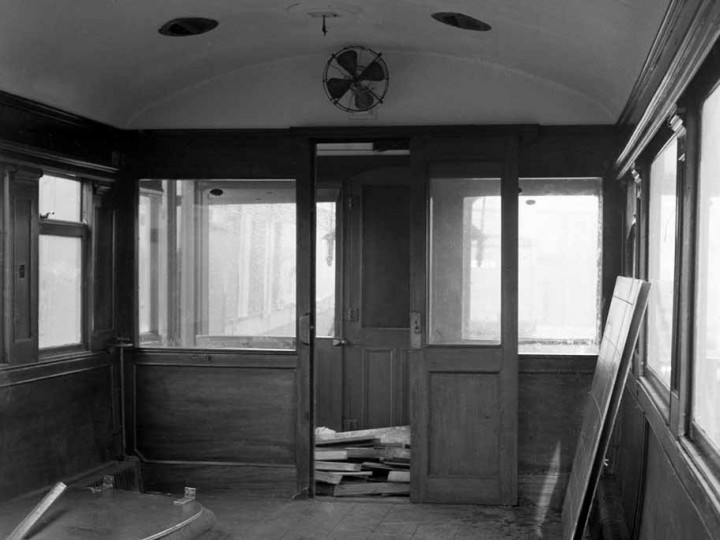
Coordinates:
[619,338]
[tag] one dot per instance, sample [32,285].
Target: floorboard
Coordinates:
[242,518]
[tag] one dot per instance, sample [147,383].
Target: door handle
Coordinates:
[415,330]
[305,329]
[339,342]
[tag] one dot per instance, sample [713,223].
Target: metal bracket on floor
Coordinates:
[107,483]
[189,496]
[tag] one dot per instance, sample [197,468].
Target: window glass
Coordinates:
[60,198]
[560,261]
[706,403]
[325,268]
[465,271]
[60,293]
[218,260]
[661,260]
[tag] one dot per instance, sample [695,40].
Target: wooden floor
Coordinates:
[244,518]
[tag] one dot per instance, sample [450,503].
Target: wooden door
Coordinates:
[463,365]
[377,298]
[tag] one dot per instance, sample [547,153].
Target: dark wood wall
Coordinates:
[59,416]
[57,420]
[215,416]
[660,493]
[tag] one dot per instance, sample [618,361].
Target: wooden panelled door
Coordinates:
[463,361]
[376,298]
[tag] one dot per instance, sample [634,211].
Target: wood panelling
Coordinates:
[32,133]
[463,429]
[21,271]
[56,420]
[552,399]
[551,408]
[213,154]
[215,414]
[668,512]
[255,482]
[553,152]
[630,459]
[328,385]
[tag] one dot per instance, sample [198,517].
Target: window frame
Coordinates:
[71,229]
[663,393]
[153,335]
[708,452]
[153,340]
[600,261]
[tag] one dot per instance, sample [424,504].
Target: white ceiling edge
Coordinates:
[425,89]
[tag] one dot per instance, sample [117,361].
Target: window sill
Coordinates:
[657,395]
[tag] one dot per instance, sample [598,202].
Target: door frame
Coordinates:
[424,152]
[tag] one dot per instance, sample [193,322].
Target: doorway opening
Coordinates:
[362,330]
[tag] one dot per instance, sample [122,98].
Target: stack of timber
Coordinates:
[362,463]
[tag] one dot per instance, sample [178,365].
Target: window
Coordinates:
[706,413]
[662,227]
[61,261]
[560,266]
[465,248]
[217,263]
[325,263]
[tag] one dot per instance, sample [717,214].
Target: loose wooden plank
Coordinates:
[336,466]
[331,455]
[371,465]
[364,453]
[393,463]
[371,488]
[395,434]
[330,477]
[399,476]
[396,453]
[370,439]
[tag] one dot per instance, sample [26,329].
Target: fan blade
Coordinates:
[348,61]
[374,72]
[364,100]
[337,87]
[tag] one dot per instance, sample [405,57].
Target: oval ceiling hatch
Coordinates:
[188,26]
[460,20]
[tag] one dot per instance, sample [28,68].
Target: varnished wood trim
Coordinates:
[695,46]
[211,463]
[215,359]
[21,154]
[305,274]
[658,47]
[35,107]
[13,375]
[556,364]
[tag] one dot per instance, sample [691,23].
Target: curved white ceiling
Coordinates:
[544,61]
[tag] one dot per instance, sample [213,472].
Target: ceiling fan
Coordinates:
[356,79]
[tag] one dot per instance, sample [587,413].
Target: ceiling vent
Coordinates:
[187,26]
[459,20]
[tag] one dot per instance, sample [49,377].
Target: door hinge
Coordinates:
[352,315]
